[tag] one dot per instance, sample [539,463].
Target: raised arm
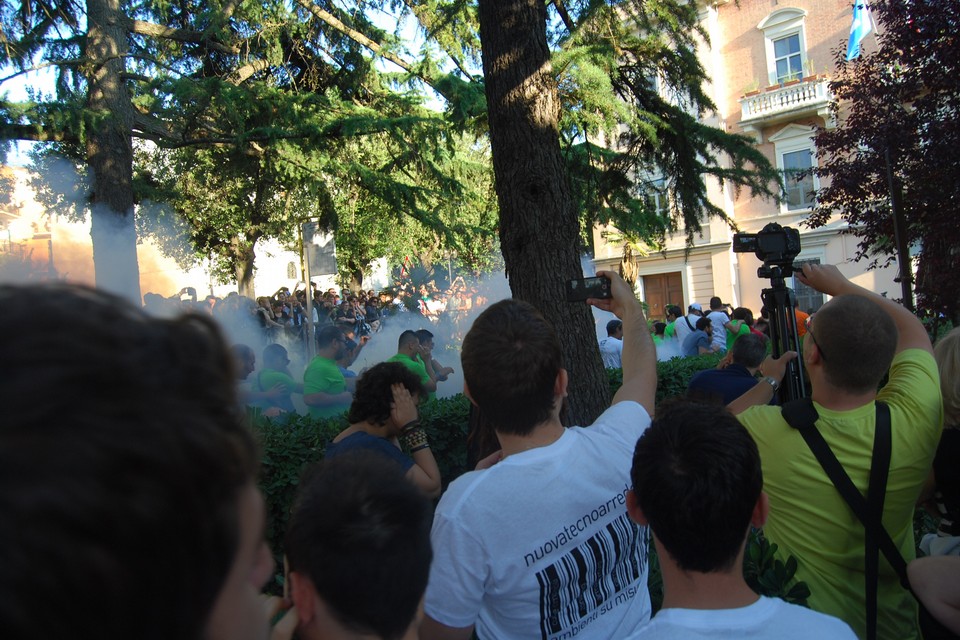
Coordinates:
[826,278]
[639,357]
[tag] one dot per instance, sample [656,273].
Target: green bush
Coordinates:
[672,375]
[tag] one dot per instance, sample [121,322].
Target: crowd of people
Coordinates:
[128,503]
[282,318]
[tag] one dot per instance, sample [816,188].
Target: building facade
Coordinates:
[770,63]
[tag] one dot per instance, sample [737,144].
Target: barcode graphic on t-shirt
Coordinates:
[584,579]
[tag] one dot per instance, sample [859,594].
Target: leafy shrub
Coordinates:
[672,375]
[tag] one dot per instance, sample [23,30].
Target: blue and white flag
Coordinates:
[859,29]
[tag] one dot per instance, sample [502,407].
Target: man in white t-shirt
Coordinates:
[718,316]
[611,347]
[685,325]
[537,543]
[697,483]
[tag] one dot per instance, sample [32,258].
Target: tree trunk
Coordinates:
[243,261]
[539,229]
[110,152]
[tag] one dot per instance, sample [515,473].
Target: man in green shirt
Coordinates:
[411,355]
[324,387]
[276,374]
[857,337]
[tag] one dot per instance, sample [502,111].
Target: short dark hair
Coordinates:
[742,313]
[613,326]
[406,338]
[328,335]
[697,478]
[659,328]
[423,335]
[272,353]
[373,394]
[124,453]
[361,532]
[716,303]
[859,340]
[511,358]
[703,322]
[749,350]
[674,310]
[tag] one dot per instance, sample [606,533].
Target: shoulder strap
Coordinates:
[688,323]
[802,415]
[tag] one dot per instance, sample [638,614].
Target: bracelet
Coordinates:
[413,424]
[423,446]
[413,438]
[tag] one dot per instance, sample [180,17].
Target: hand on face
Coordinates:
[403,409]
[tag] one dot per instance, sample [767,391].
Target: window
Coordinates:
[799,189]
[785,44]
[793,149]
[787,58]
[808,298]
[654,195]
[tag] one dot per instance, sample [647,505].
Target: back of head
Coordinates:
[749,350]
[613,326]
[947,353]
[716,303]
[373,395]
[328,335]
[360,531]
[407,339]
[742,313]
[511,358]
[274,356]
[857,339]
[703,323]
[696,474]
[123,454]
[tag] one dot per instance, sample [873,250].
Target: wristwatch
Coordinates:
[772,382]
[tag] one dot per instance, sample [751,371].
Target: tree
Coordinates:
[242,109]
[899,136]
[610,53]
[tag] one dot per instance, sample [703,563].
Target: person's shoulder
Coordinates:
[762,416]
[814,623]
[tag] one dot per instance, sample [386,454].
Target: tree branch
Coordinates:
[34,134]
[564,15]
[241,75]
[38,67]
[180,35]
[355,35]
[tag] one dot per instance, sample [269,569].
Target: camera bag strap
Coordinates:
[802,416]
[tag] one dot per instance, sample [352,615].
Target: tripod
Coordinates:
[781,303]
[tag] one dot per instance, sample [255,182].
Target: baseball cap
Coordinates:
[695,307]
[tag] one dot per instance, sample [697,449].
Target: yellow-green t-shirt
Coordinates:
[810,520]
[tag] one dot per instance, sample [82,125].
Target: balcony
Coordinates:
[800,99]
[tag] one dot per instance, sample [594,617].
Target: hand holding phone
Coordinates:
[584,288]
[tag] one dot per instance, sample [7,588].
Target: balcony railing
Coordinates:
[785,103]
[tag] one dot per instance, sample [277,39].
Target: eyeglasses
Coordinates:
[819,348]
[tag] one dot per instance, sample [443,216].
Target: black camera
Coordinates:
[773,245]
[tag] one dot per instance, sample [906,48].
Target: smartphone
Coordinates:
[583,288]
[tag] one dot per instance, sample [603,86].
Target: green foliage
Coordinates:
[292,443]
[899,122]
[673,375]
[768,575]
